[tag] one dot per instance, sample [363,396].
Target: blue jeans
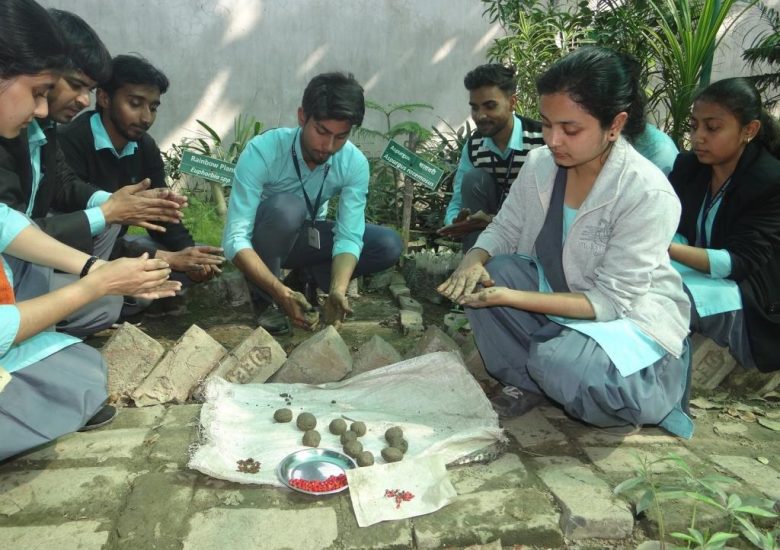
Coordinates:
[280,239]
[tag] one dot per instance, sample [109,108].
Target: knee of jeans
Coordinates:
[386,246]
[285,211]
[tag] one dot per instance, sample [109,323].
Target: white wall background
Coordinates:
[226,57]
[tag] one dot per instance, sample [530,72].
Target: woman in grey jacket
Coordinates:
[570,291]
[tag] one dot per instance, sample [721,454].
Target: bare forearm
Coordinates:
[253,267]
[35,246]
[691,256]
[562,304]
[341,272]
[40,313]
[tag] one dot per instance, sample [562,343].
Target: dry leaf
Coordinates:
[762,459]
[703,403]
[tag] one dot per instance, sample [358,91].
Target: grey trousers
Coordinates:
[529,351]
[726,329]
[50,398]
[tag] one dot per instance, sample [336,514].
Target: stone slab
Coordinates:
[711,363]
[411,322]
[624,459]
[764,478]
[255,359]
[647,437]
[134,417]
[588,507]
[506,471]
[97,446]
[375,353]
[433,339]
[154,516]
[399,290]
[181,370]
[76,492]
[130,355]
[312,528]
[73,535]
[321,358]
[409,304]
[515,516]
[533,430]
[386,535]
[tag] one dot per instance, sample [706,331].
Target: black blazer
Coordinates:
[60,190]
[747,225]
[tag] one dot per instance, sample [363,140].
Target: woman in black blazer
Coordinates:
[731,179]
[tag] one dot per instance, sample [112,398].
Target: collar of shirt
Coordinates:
[102,141]
[36,139]
[306,172]
[515,140]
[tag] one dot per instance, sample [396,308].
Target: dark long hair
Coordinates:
[739,97]
[30,41]
[603,82]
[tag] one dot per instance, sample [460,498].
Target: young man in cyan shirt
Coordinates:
[278,203]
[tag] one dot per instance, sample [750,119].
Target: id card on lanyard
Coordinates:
[709,204]
[312,233]
[503,185]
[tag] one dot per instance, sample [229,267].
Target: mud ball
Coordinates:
[337,426]
[353,448]
[283,415]
[348,436]
[394,433]
[391,454]
[306,421]
[311,438]
[359,428]
[366,458]
[401,444]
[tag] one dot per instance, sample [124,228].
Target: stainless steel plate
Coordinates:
[313,465]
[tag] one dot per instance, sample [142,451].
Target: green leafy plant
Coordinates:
[764,54]
[651,489]
[683,44]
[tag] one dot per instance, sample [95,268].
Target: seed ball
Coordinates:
[353,448]
[311,438]
[401,444]
[283,415]
[306,421]
[394,433]
[359,428]
[366,458]
[348,436]
[391,454]
[337,426]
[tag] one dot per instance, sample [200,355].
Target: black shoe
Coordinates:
[272,319]
[512,402]
[104,416]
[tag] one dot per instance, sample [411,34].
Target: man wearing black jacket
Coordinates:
[110,147]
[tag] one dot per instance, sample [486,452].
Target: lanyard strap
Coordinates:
[316,207]
[508,174]
[709,204]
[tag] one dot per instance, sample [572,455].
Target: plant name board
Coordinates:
[208,168]
[402,159]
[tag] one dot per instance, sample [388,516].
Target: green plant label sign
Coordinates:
[207,168]
[401,158]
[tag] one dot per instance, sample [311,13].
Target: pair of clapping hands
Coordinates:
[141,206]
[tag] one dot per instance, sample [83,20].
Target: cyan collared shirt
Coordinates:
[465,165]
[720,260]
[103,141]
[266,168]
[36,139]
[17,356]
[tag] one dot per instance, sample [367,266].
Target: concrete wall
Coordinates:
[226,57]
